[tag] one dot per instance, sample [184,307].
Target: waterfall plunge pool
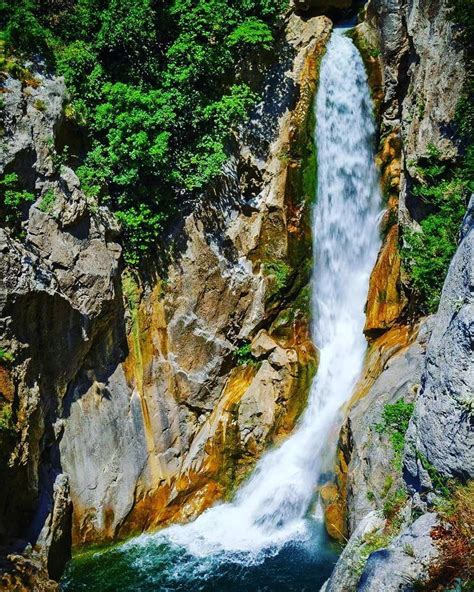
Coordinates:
[151,563]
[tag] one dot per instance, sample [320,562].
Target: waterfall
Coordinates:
[271,507]
[271,512]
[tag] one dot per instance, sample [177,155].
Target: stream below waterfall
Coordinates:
[271,536]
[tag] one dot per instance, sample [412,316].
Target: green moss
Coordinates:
[39,105]
[395,420]
[387,485]
[131,291]
[6,418]
[309,162]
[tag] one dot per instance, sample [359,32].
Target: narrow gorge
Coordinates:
[236,296]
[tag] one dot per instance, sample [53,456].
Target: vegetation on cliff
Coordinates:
[443,187]
[155,87]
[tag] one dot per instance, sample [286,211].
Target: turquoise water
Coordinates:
[150,563]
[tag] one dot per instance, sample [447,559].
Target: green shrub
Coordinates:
[156,86]
[47,201]
[244,355]
[395,420]
[14,201]
[427,252]
[252,32]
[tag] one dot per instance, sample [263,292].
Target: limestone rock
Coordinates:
[346,574]
[441,428]
[406,560]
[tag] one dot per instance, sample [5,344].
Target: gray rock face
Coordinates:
[404,562]
[423,77]
[58,291]
[348,567]
[370,452]
[441,428]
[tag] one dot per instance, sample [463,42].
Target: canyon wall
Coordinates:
[133,399]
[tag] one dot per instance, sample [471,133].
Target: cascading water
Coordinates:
[270,511]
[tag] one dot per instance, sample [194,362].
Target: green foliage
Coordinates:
[141,227]
[279,271]
[387,485]
[371,542]
[39,105]
[5,356]
[427,252]
[244,355]
[6,419]
[47,201]
[156,86]
[395,420]
[14,201]
[252,32]
[394,503]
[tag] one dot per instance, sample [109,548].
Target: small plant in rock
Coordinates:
[371,542]
[14,200]
[244,355]
[387,485]
[39,105]
[394,503]
[5,356]
[279,271]
[6,419]
[408,550]
[395,420]
[47,201]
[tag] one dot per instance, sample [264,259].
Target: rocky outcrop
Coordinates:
[406,561]
[441,429]
[58,291]
[368,474]
[139,399]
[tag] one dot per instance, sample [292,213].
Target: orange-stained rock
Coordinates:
[380,350]
[385,301]
[6,384]
[333,507]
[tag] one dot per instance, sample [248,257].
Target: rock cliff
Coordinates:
[134,399]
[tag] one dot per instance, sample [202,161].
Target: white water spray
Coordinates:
[271,508]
